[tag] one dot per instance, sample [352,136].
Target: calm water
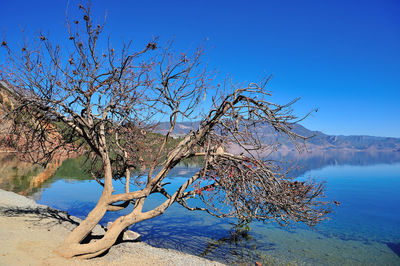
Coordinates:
[364,230]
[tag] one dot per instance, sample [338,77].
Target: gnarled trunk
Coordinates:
[72,245]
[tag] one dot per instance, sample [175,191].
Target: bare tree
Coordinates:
[91,98]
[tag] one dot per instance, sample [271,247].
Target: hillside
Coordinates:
[319,141]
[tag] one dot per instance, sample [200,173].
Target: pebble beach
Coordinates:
[29,233]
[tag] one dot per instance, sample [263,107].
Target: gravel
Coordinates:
[13,201]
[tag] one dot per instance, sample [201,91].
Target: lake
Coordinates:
[364,230]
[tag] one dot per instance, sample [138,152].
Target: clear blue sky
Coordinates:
[342,57]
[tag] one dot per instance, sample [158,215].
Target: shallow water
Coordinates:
[364,230]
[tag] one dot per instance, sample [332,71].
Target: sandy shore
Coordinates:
[29,233]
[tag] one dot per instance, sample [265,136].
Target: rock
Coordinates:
[127,235]
[11,199]
[130,235]
[109,225]
[75,219]
[98,230]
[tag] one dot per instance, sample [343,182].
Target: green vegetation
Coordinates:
[73,168]
[22,182]
[79,168]
[16,175]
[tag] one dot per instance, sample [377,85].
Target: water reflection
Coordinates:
[306,161]
[22,177]
[26,179]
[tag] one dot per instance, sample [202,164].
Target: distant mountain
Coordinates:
[181,128]
[319,141]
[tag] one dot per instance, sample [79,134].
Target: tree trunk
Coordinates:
[72,245]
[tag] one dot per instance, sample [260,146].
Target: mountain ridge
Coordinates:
[319,141]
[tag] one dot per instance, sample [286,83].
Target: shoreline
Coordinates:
[29,232]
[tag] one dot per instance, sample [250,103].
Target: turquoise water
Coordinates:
[364,230]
